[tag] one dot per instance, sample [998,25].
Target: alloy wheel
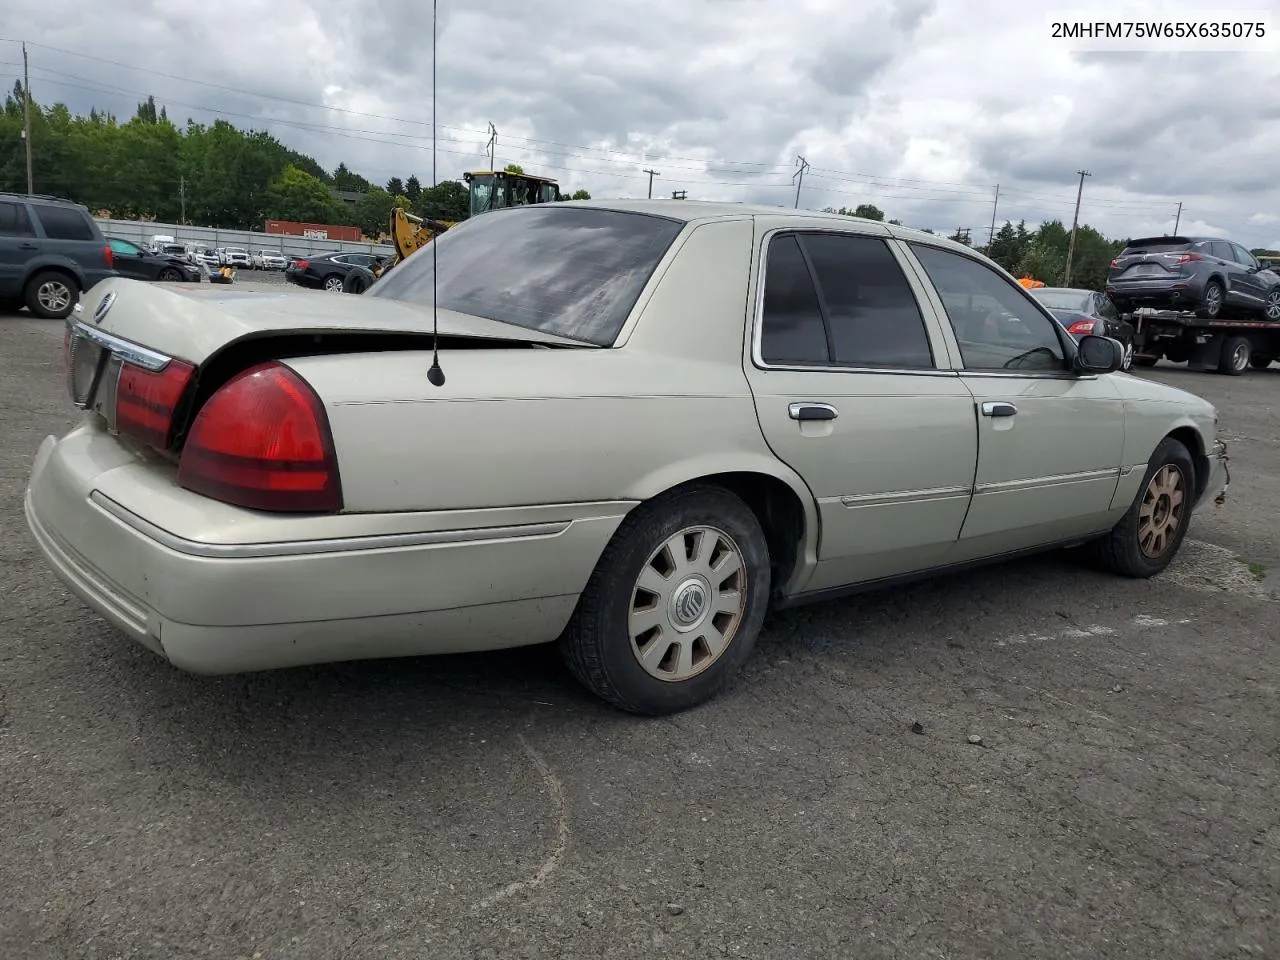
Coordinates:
[1160,515]
[54,295]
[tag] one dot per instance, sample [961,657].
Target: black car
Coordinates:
[328,270]
[1088,313]
[141,264]
[50,251]
[1209,275]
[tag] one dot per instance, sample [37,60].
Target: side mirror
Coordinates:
[1099,355]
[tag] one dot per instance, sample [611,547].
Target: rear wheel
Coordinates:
[673,608]
[1237,354]
[1145,361]
[333,283]
[51,295]
[1210,307]
[1147,539]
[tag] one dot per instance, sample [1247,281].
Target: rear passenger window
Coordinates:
[14,221]
[872,313]
[792,331]
[64,223]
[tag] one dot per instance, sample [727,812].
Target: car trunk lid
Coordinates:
[1153,258]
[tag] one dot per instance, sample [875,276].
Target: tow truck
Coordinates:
[1228,345]
[486,190]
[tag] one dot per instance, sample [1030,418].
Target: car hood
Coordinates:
[196,322]
[1150,391]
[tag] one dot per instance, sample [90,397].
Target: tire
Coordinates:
[169,275]
[358,280]
[1237,353]
[1210,305]
[1121,551]
[1127,362]
[1178,352]
[1259,361]
[1145,361]
[51,294]
[332,283]
[1271,307]
[603,644]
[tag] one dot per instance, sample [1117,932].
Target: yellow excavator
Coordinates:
[486,190]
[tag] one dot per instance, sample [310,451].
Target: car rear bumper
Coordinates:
[210,602]
[1162,290]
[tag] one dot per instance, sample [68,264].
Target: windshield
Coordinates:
[1062,299]
[571,272]
[481,194]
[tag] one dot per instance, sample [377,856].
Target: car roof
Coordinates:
[1080,290]
[41,198]
[693,211]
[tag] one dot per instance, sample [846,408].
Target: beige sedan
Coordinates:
[656,420]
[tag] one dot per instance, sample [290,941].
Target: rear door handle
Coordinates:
[812,411]
[28,245]
[998,408]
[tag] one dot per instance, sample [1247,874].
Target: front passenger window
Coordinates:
[995,324]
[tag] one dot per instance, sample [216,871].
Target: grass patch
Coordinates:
[1259,570]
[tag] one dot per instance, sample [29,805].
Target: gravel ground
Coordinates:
[1120,801]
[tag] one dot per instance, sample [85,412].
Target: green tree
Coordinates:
[345,180]
[395,186]
[373,212]
[868,211]
[580,195]
[297,195]
[447,200]
[513,168]
[412,189]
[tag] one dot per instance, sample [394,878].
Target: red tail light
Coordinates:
[1115,261]
[301,264]
[1188,257]
[1082,327]
[146,401]
[110,257]
[262,441]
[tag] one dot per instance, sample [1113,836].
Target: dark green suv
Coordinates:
[51,251]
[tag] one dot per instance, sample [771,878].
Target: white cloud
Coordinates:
[918,106]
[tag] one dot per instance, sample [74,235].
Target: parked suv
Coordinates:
[1209,275]
[51,251]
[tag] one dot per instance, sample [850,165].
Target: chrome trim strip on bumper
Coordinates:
[295,548]
[130,352]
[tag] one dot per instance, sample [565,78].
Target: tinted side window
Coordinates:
[64,223]
[792,329]
[1219,249]
[873,315]
[14,221]
[995,324]
[1106,308]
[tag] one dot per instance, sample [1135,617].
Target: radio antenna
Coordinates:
[435,376]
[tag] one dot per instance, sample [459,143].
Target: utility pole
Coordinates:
[1075,221]
[26,117]
[182,199]
[493,141]
[798,176]
[991,234]
[1178,219]
[652,174]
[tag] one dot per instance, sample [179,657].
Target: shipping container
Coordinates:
[314,231]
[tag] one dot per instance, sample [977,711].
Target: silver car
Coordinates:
[649,423]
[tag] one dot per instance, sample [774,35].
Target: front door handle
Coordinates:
[812,411]
[998,408]
[28,245]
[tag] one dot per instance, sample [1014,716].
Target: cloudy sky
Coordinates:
[918,106]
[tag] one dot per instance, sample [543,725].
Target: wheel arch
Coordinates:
[1190,437]
[777,495]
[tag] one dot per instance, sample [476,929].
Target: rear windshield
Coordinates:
[561,270]
[1155,246]
[1062,299]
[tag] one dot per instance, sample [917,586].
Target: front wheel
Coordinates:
[1146,540]
[673,608]
[169,275]
[1259,361]
[1271,307]
[1127,362]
